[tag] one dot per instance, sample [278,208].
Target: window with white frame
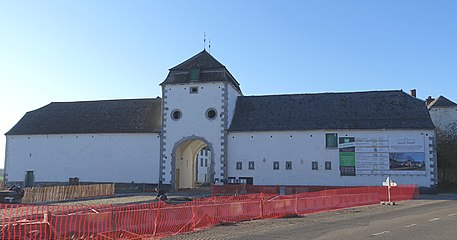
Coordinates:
[331,140]
[314,166]
[275,165]
[288,165]
[251,165]
[239,165]
[328,165]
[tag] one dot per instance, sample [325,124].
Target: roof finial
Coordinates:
[204,40]
[209,46]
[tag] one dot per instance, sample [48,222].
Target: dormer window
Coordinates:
[194,74]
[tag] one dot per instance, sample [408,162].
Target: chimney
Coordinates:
[429,100]
[413,92]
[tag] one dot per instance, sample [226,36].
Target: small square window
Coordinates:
[193,90]
[275,165]
[328,165]
[331,140]
[251,165]
[239,165]
[314,166]
[288,165]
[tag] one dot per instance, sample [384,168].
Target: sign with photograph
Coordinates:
[407,161]
[381,155]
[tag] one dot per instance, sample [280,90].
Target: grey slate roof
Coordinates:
[351,110]
[202,60]
[211,70]
[110,116]
[442,102]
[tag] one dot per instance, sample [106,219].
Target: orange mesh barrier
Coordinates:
[159,219]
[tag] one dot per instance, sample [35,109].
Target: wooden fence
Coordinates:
[61,193]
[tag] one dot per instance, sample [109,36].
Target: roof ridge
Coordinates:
[326,93]
[442,101]
[109,100]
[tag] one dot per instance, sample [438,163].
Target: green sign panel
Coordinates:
[347,159]
[347,156]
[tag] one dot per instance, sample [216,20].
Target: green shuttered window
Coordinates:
[331,140]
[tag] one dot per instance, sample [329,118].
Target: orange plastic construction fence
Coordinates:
[158,219]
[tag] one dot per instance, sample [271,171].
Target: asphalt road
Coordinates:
[432,219]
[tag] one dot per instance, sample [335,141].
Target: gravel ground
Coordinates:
[139,198]
[19,210]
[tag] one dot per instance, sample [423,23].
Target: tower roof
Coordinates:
[202,60]
[201,68]
[442,102]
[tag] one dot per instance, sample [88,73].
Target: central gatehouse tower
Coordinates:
[199,97]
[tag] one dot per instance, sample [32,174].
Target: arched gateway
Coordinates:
[185,162]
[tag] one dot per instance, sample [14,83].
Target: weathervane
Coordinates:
[204,40]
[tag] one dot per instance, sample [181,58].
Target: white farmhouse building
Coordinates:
[444,116]
[443,113]
[327,139]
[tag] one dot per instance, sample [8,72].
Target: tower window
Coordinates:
[176,114]
[239,165]
[193,90]
[211,113]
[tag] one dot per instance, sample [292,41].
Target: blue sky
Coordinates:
[54,51]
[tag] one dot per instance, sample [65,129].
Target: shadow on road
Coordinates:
[441,196]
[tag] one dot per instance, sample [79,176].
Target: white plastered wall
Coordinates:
[304,147]
[444,117]
[90,157]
